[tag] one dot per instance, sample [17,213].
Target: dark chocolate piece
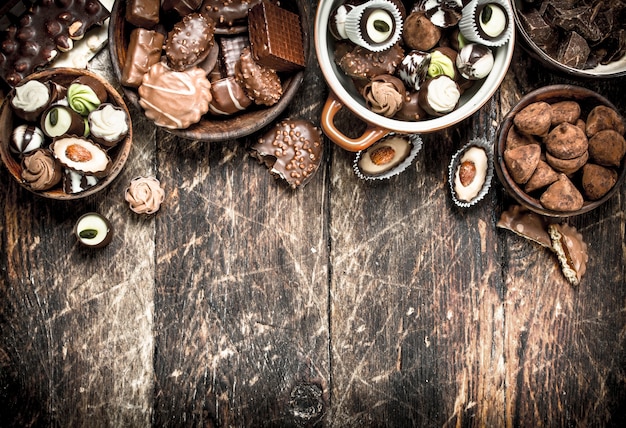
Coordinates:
[230,52]
[574,51]
[41,32]
[182,7]
[536,27]
[275,37]
[228,13]
[144,50]
[189,41]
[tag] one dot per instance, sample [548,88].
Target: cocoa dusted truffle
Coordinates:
[597,180]
[292,150]
[603,117]
[562,196]
[420,33]
[607,147]
[522,161]
[534,119]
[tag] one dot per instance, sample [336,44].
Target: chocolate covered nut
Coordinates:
[292,150]
[522,161]
[174,99]
[143,13]
[562,195]
[363,64]
[275,37]
[566,141]
[597,180]
[603,117]
[543,176]
[144,50]
[607,148]
[565,111]
[534,119]
[261,84]
[419,32]
[189,41]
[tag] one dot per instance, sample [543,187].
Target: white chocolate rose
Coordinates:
[145,195]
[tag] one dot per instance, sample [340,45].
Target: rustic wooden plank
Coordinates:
[76,329]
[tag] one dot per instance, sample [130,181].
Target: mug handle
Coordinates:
[371,134]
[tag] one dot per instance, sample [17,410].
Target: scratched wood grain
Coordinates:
[345,304]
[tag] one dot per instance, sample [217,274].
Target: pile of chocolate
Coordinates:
[188,59]
[577,33]
[63,135]
[563,157]
[413,60]
[34,38]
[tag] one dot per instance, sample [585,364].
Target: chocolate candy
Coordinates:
[292,150]
[276,37]
[93,230]
[75,182]
[40,171]
[143,13]
[230,52]
[229,15]
[228,97]
[182,7]
[144,50]
[45,29]
[261,84]
[60,119]
[474,61]
[189,41]
[25,138]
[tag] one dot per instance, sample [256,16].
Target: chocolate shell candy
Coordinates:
[470,173]
[261,84]
[488,22]
[189,42]
[76,182]
[527,224]
[375,25]
[337,21]
[40,170]
[25,138]
[93,230]
[82,155]
[108,125]
[228,97]
[387,157]
[439,95]
[384,95]
[144,50]
[474,61]
[85,94]
[30,99]
[59,120]
[292,150]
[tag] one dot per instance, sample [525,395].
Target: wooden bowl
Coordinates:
[63,76]
[587,99]
[213,128]
[611,70]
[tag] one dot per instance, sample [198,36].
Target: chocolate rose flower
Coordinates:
[40,170]
[384,94]
[145,195]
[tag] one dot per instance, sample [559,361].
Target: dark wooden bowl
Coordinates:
[212,128]
[63,76]
[587,99]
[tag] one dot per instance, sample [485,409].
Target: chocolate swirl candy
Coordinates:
[108,124]
[384,95]
[31,98]
[40,170]
[144,195]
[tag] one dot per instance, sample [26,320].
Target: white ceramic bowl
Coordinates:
[344,94]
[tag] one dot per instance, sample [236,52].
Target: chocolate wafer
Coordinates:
[276,37]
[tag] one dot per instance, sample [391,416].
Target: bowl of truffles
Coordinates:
[410,67]
[209,70]
[65,133]
[560,150]
[583,38]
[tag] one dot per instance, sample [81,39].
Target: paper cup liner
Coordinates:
[469,23]
[455,162]
[354,28]
[416,145]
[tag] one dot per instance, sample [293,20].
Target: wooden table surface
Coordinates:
[344,304]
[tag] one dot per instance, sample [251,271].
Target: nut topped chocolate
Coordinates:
[292,150]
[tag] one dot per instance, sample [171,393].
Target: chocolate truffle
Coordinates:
[419,32]
[534,119]
[607,147]
[108,125]
[292,150]
[562,196]
[522,161]
[59,119]
[413,69]
[603,117]
[565,111]
[30,99]
[566,141]
[543,176]
[567,166]
[597,180]
[85,94]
